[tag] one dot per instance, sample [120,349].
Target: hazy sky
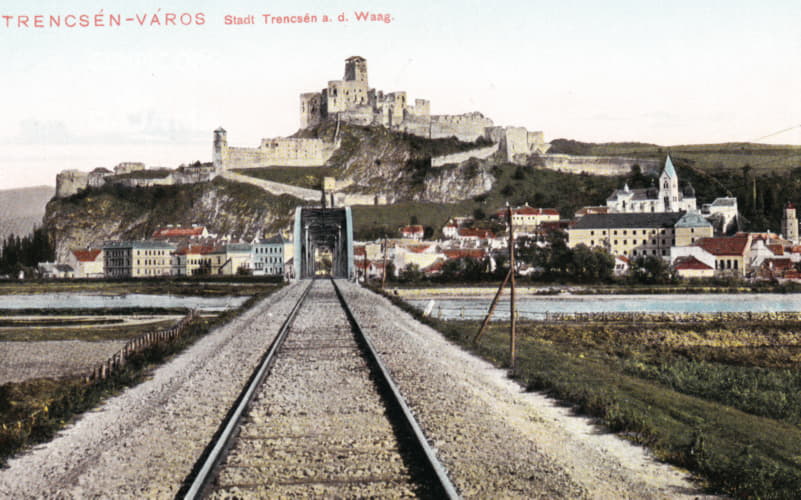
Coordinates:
[668,72]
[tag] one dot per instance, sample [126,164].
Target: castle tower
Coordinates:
[220,151]
[356,69]
[790,223]
[669,187]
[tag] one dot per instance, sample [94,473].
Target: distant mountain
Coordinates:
[22,209]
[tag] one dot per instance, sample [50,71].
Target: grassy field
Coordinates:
[79,328]
[718,399]
[305,177]
[763,158]
[202,287]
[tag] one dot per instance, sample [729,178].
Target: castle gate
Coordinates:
[323,242]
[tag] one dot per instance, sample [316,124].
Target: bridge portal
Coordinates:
[323,242]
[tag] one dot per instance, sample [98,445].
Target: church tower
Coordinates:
[790,223]
[669,187]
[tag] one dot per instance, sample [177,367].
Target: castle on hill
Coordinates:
[352,101]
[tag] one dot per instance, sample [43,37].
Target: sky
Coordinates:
[664,72]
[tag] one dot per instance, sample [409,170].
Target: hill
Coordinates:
[22,209]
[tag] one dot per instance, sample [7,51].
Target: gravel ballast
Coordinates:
[496,440]
[318,426]
[144,442]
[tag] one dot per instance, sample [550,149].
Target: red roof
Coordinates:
[177,232]
[527,210]
[476,233]
[359,251]
[434,268]
[778,264]
[776,249]
[475,253]
[418,248]
[689,263]
[735,245]
[88,255]
[196,249]
[412,229]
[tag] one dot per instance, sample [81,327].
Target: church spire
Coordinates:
[669,170]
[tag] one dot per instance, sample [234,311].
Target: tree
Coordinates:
[650,269]
[410,274]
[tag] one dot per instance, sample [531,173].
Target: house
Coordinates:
[450,229]
[413,232]
[689,266]
[622,265]
[422,255]
[690,228]
[527,219]
[474,235]
[137,259]
[86,262]
[731,253]
[51,270]
[581,212]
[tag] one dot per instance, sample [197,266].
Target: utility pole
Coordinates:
[512,333]
[384,277]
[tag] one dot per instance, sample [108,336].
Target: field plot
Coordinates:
[718,398]
[47,354]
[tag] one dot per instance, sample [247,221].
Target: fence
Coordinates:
[674,317]
[139,344]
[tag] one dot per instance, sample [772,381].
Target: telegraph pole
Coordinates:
[512,333]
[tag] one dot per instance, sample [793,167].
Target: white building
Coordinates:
[665,198]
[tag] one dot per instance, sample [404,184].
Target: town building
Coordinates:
[689,266]
[86,262]
[268,256]
[137,259]
[238,259]
[528,219]
[414,232]
[790,223]
[629,234]
[730,253]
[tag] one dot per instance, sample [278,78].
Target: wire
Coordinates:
[776,133]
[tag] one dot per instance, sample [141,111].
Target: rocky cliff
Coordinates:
[118,212]
[397,167]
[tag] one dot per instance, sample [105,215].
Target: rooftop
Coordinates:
[629,220]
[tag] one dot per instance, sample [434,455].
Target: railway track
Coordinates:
[320,418]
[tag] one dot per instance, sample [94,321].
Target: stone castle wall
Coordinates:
[289,152]
[597,165]
[480,153]
[466,127]
[70,182]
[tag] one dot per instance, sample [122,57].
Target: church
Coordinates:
[667,197]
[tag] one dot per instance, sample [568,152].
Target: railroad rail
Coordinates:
[320,416]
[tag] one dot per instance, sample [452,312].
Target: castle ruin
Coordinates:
[351,100]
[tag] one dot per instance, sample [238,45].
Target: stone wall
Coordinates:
[466,127]
[70,182]
[275,187]
[597,165]
[480,153]
[290,152]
